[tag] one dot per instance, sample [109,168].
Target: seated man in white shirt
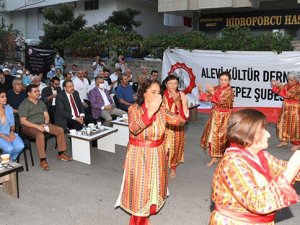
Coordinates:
[115,79]
[102,104]
[81,85]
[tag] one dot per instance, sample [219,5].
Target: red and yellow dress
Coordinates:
[288,125]
[145,177]
[175,135]
[214,138]
[248,189]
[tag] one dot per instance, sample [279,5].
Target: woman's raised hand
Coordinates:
[154,105]
[199,87]
[184,102]
[293,166]
[209,88]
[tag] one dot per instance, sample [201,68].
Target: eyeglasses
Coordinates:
[18,84]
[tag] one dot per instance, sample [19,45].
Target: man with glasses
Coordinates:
[49,96]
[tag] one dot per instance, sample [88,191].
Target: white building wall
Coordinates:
[106,7]
[32,24]
[152,21]
[19,21]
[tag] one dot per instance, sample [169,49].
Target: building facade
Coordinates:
[26,15]
[259,15]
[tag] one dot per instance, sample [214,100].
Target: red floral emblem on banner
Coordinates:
[184,73]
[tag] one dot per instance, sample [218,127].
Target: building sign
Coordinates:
[251,73]
[253,20]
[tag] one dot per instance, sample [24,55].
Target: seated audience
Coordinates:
[98,65]
[129,75]
[5,81]
[73,70]
[121,63]
[49,96]
[81,85]
[37,81]
[115,79]
[141,78]
[154,75]
[59,74]
[102,104]
[107,80]
[125,94]
[16,95]
[67,76]
[51,73]
[34,119]
[10,142]
[69,109]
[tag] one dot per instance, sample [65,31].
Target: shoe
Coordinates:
[282,144]
[212,161]
[44,165]
[173,173]
[295,148]
[64,157]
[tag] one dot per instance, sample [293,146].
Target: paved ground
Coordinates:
[73,193]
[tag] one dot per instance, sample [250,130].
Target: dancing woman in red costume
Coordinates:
[144,187]
[214,138]
[288,125]
[249,184]
[175,135]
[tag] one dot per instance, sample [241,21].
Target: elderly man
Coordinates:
[81,85]
[125,93]
[69,109]
[102,104]
[34,119]
[37,81]
[49,97]
[16,95]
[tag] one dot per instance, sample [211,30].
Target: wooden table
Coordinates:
[81,144]
[9,178]
[122,137]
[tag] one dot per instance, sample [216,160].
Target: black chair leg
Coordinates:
[25,159]
[30,151]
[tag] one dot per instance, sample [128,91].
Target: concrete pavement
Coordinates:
[73,193]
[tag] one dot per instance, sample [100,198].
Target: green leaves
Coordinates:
[61,25]
[231,39]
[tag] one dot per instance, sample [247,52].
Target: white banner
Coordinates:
[251,72]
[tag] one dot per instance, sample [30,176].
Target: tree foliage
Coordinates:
[7,39]
[117,34]
[124,18]
[61,24]
[231,39]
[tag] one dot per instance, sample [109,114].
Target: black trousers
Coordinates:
[73,124]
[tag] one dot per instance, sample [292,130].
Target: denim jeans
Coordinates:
[13,148]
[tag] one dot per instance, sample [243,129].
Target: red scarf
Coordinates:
[262,168]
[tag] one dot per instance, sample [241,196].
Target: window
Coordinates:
[91,5]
